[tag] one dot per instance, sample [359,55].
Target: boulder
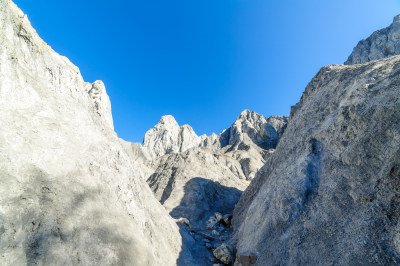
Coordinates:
[225,254]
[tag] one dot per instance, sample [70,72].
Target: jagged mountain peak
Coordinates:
[247,114]
[167,120]
[262,131]
[381,44]
[168,137]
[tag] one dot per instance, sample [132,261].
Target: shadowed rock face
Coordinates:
[69,193]
[330,193]
[381,44]
[174,184]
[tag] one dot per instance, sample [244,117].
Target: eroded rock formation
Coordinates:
[69,193]
[330,194]
[324,186]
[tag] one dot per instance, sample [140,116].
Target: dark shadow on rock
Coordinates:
[202,198]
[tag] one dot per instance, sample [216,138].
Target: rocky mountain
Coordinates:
[69,193]
[381,44]
[330,194]
[168,137]
[250,140]
[320,187]
[195,177]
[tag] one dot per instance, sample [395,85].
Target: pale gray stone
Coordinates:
[69,193]
[168,137]
[330,194]
[381,44]
[194,184]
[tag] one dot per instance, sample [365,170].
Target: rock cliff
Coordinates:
[381,44]
[69,193]
[330,194]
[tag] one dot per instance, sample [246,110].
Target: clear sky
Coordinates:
[203,61]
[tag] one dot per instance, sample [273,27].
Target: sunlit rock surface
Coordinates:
[69,193]
[168,137]
[381,44]
[330,193]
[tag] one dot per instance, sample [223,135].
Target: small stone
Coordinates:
[226,220]
[211,224]
[221,238]
[218,216]
[215,233]
[224,253]
[184,221]
[206,236]
[246,259]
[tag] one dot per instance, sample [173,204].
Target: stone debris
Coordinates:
[211,223]
[206,236]
[218,216]
[226,220]
[215,233]
[184,221]
[224,253]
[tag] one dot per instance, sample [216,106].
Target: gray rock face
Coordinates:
[195,177]
[102,102]
[69,193]
[168,137]
[330,194]
[257,128]
[243,147]
[381,44]
[252,138]
[183,181]
[194,184]
[249,126]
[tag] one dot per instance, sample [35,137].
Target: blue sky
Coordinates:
[203,61]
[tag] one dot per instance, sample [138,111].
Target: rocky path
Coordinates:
[209,239]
